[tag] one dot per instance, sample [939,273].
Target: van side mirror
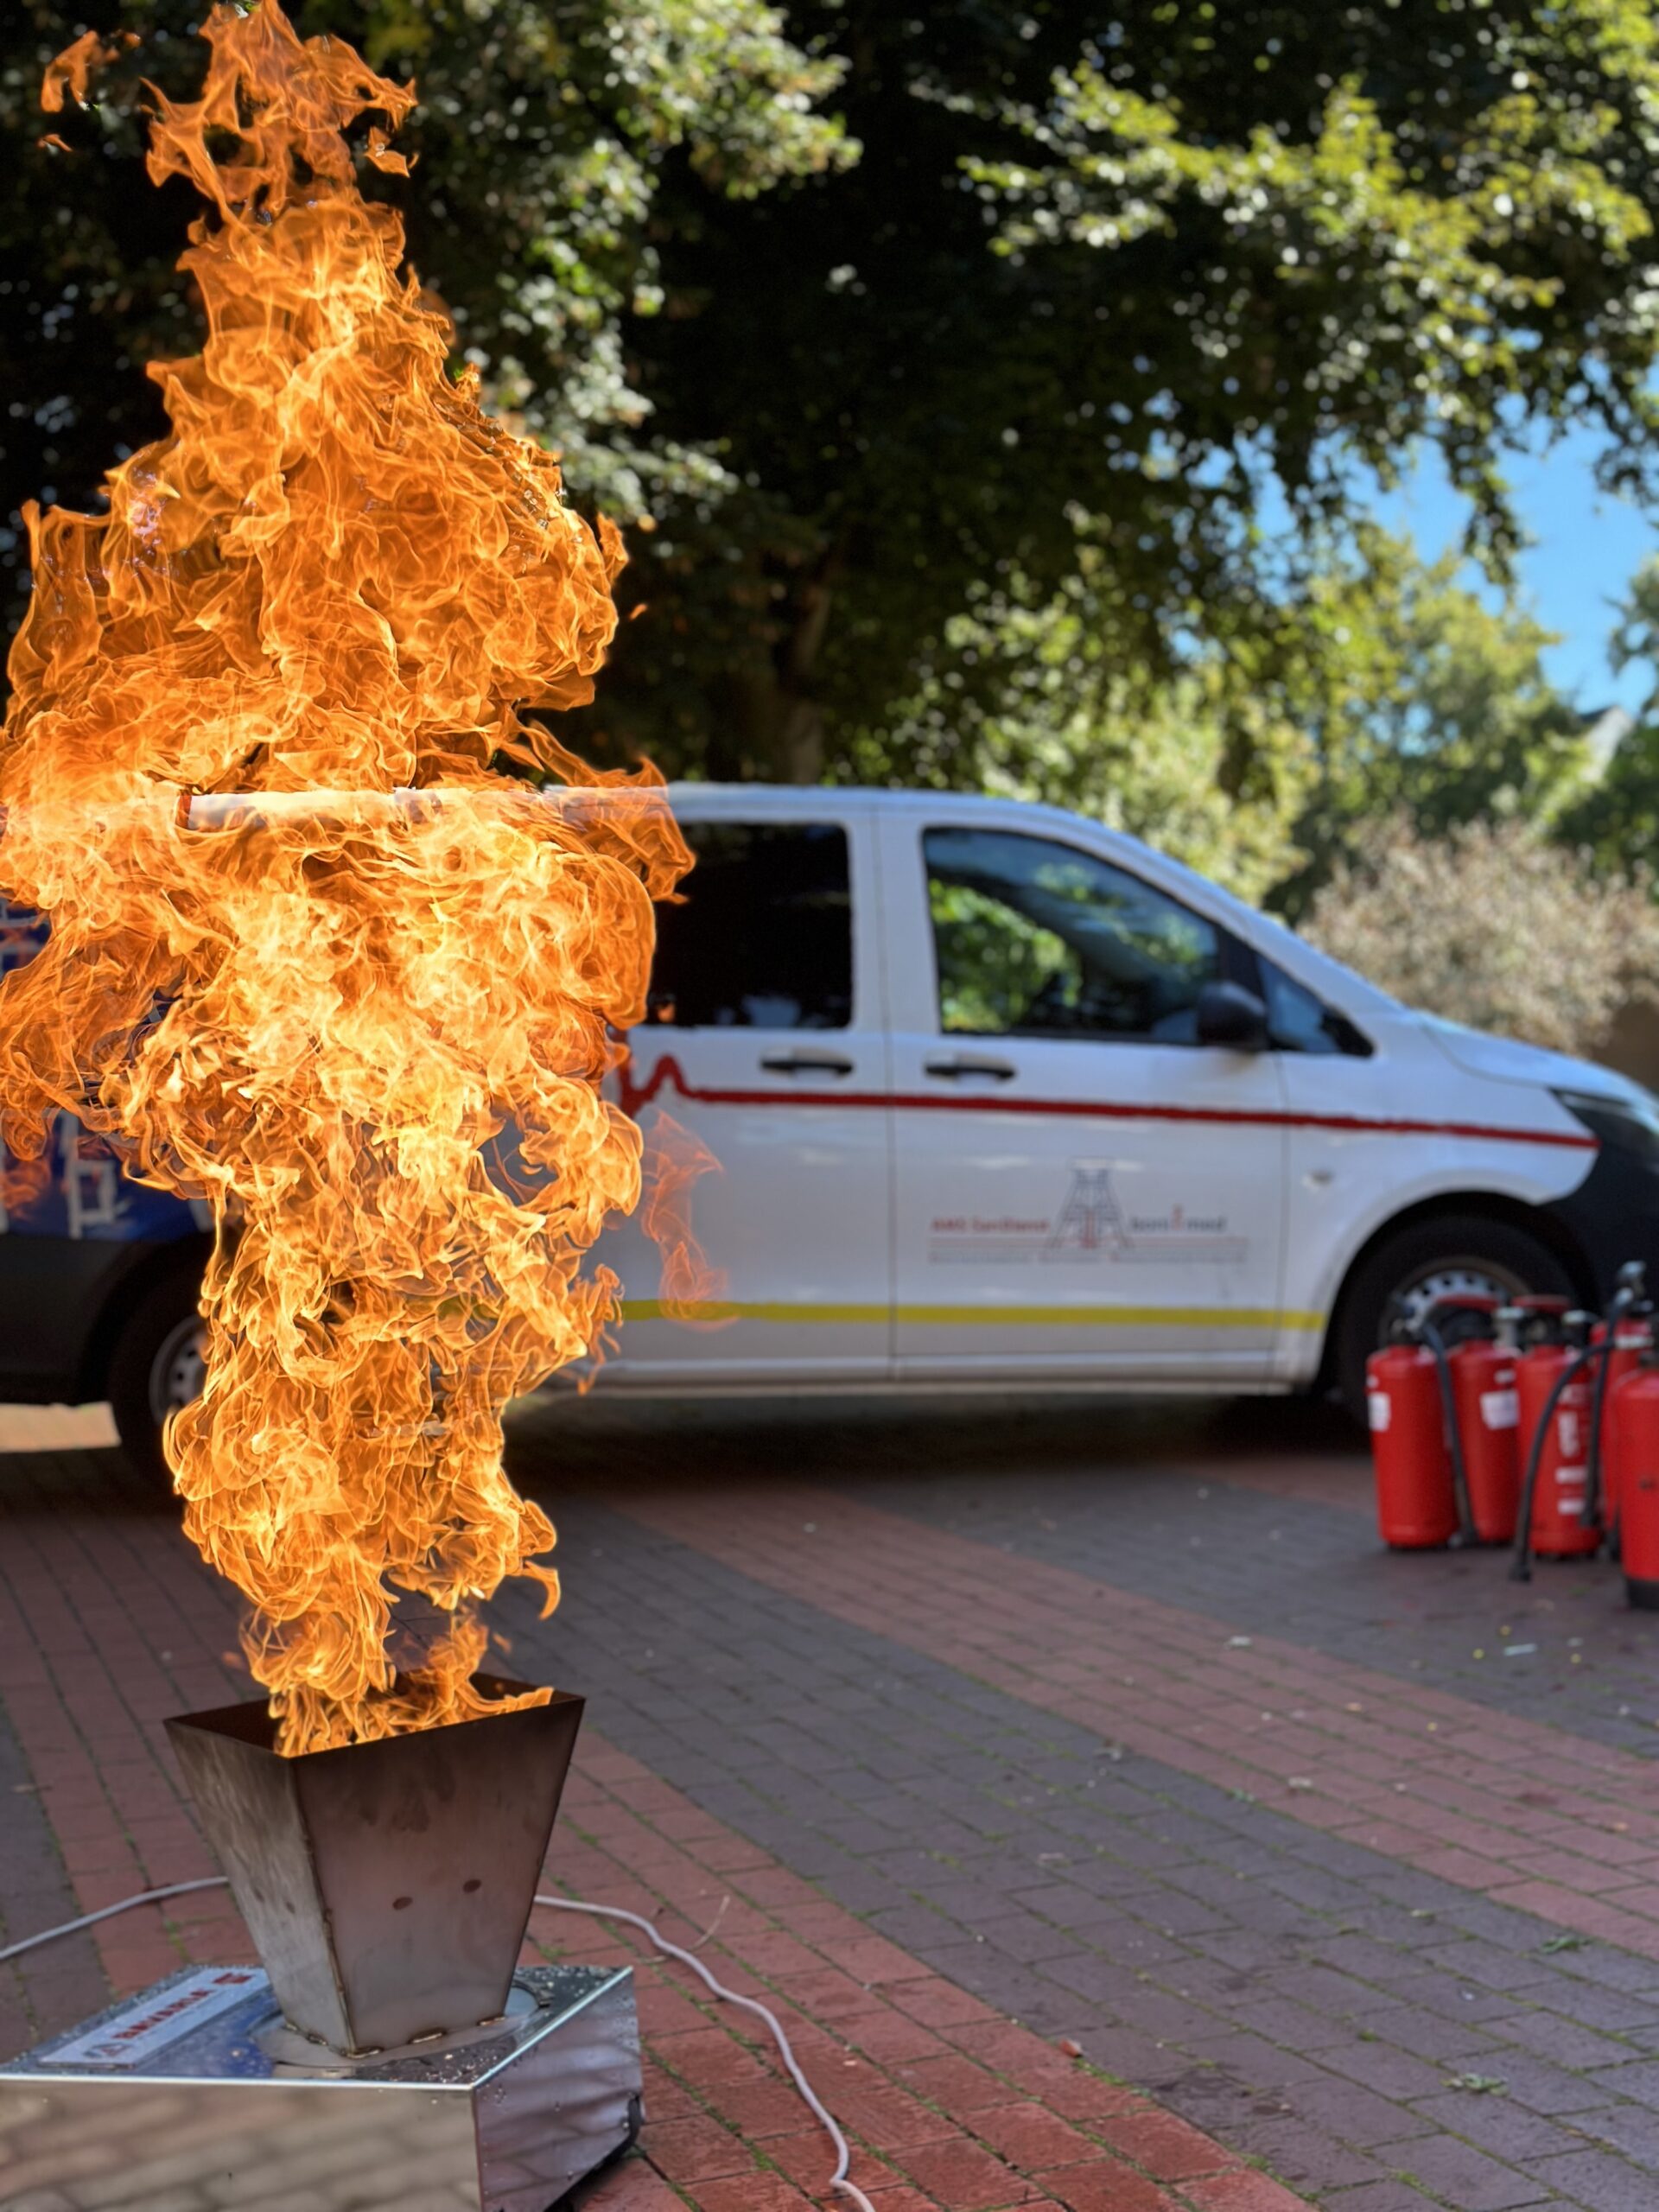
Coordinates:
[1229,1015]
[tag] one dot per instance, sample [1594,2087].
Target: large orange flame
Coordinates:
[366,1013]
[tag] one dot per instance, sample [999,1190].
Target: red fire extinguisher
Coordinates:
[1487,1411]
[1626,1333]
[1638,1454]
[1411,1456]
[1562,1387]
[1554,1387]
[1618,1438]
[1422,1487]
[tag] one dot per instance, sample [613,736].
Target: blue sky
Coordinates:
[1588,547]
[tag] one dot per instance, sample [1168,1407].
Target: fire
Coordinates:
[310,957]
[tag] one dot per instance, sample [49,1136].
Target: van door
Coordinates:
[765,1039]
[1352,1159]
[1081,1188]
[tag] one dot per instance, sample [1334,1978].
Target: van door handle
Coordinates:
[806,1064]
[961,1064]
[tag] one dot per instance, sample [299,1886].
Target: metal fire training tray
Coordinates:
[170,2100]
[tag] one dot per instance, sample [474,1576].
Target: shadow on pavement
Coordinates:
[1294,1445]
[561,1442]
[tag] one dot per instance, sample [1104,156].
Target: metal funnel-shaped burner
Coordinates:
[387,1886]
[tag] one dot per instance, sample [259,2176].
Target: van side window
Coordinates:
[1034,938]
[1299,1022]
[764,936]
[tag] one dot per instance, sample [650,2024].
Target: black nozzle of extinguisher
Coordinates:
[1398,1327]
[1542,1317]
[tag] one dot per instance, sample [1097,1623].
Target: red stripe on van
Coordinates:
[635,1095]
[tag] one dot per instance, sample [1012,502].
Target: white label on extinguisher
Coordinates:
[1500,1408]
[1569,1440]
[1381,1406]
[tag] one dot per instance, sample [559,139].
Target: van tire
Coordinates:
[151,1354]
[1449,1244]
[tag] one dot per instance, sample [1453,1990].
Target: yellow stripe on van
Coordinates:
[1083,1317]
[726,1309]
[1110,1317]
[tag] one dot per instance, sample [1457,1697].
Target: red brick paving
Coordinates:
[1583,2039]
[1329,1479]
[949,2107]
[1520,1812]
[725,2128]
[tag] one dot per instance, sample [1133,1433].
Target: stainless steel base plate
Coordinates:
[171,2099]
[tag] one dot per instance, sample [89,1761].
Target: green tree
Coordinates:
[562,151]
[1257,751]
[1426,698]
[1031,693]
[1617,817]
[1148,268]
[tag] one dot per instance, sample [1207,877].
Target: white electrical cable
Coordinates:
[815,2104]
[91,1919]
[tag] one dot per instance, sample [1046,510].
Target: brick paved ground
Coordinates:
[1116,1724]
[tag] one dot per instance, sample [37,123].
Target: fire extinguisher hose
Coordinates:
[1436,1343]
[1598,1400]
[1522,1569]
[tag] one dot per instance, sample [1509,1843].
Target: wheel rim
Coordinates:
[1413,1298]
[178,1368]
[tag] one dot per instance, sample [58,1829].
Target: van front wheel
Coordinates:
[1436,1258]
[156,1367]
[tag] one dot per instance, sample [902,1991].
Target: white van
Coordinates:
[999,1098]
[1002,1097]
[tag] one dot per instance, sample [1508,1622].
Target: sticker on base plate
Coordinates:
[160,2018]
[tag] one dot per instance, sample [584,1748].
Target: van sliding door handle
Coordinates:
[806,1064]
[965,1063]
